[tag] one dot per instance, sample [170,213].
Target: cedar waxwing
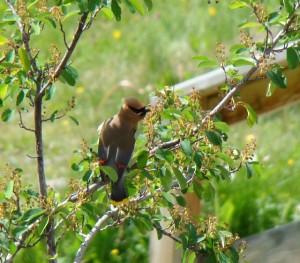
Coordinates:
[116,143]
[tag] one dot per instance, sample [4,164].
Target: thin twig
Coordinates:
[21,123]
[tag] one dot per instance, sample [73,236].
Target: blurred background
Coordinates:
[131,58]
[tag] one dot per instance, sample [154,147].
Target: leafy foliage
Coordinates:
[181,150]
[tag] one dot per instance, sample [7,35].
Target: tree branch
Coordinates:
[97,227]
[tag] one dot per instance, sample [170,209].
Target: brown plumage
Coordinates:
[116,142]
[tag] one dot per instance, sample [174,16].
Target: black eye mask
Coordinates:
[140,111]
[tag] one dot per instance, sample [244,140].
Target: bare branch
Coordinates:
[97,227]
[21,123]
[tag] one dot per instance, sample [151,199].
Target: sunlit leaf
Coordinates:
[251,115]
[32,215]
[237,4]
[107,12]
[7,114]
[166,178]
[88,175]
[214,138]
[3,91]
[24,59]
[138,6]
[181,178]
[9,189]
[186,147]
[110,172]
[43,225]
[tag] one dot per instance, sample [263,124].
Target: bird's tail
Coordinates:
[118,192]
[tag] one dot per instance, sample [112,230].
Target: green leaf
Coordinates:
[24,59]
[166,178]
[221,126]
[138,6]
[208,63]
[184,241]
[10,56]
[107,12]
[49,92]
[32,215]
[115,8]
[197,158]
[83,5]
[223,258]
[248,24]
[186,147]
[43,224]
[249,169]
[237,4]
[256,168]
[252,116]
[293,58]
[192,257]
[142,159]
[180,200]
[3,91]
[198,189]
[168,197]
[274,17]
[181,179]
[70,14]
[9,189]
[234,255]
[88,175]
[226,158]
[110,172]
[7,114]
[19,230]
[21,96]
[53,116]
[75,167]
[243,62]
[70,75]
[214,138]
[149,4]
[36,28]
[74,120]
[165,155]
[289,6]
[277,77]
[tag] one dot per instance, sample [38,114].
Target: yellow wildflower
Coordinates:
[115,252]
[250,137]
[117,34]
[80,90]
[291,162]
[212,11]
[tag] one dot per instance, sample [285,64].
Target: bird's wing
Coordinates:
[103,149]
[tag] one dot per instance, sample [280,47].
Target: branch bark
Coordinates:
[89,237]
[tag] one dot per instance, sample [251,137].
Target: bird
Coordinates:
[116,143]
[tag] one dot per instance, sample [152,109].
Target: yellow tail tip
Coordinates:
[118,203]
